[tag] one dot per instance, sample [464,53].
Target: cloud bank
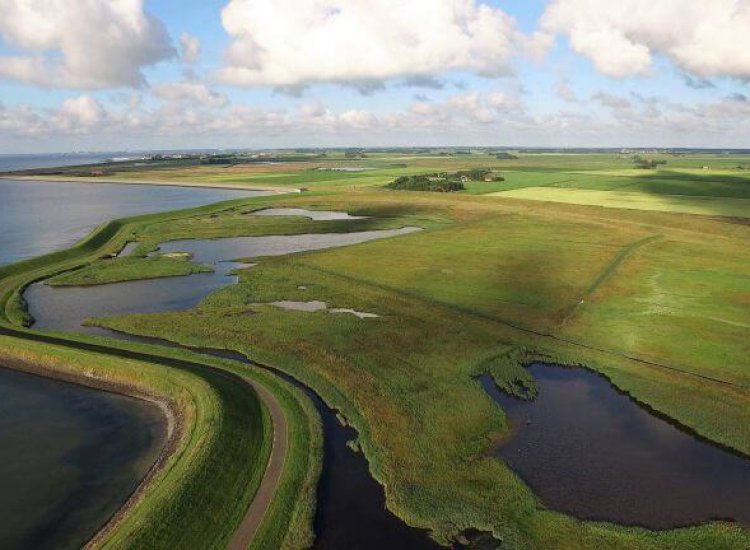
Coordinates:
[294,42]
[81,44]
[703,37]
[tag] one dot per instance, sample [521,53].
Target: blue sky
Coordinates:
[78,74]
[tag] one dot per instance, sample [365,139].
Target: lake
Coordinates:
[591,451]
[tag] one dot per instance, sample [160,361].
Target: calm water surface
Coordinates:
[591,451]
[24,162]
[38,217]
[69,458]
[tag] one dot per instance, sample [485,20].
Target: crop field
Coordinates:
[640,274]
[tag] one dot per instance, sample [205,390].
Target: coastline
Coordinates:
[165,183]
[172,421]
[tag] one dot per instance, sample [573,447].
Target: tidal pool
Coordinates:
[317,215]
[70,456]
[591,451]
[316,305]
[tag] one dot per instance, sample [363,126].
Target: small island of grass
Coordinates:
[130,268]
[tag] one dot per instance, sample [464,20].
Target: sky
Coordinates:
[101,75]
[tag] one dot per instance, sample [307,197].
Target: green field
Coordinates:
[653,291]
[637,200]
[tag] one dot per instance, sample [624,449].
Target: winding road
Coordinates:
[267,488]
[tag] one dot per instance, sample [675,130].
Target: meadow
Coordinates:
[656,299]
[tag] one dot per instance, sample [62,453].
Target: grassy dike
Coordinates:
[217,455]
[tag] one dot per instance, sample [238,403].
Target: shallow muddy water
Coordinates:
[318,215]
[69,458]
[316,305]
[591,451]
[37,217]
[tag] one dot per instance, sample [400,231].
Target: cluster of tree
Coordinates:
[426,182]
[355,154]
[648,164]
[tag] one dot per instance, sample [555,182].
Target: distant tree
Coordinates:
[426,182]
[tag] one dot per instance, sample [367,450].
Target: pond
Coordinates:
[69,458]
[591,451]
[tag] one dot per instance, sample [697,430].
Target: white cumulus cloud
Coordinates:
[83,44]
[296,42]
[703,37]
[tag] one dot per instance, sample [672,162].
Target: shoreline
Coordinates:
[173,425]
[163,183]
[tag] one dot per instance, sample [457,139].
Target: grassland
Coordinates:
[127,269]
[657,301]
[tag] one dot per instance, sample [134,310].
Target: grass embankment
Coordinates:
[487,292]
[128,269]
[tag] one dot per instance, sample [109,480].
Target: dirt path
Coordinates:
[267,489]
